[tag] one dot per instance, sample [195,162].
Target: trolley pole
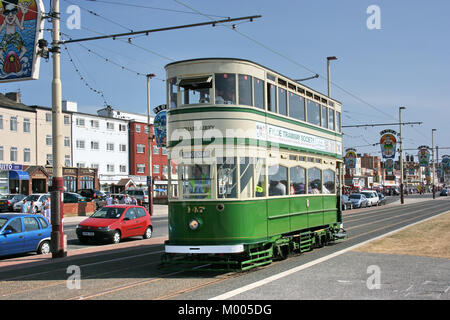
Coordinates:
[149,147]
[58,241]
[402,199]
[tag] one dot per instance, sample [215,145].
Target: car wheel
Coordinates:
[148,233]
[115,237]
[44,248]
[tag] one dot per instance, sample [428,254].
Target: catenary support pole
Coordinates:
[58,239]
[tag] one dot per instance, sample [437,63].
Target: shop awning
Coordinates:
[19,175]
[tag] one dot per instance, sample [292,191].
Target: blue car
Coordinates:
[20,233]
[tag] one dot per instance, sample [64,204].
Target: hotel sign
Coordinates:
[6,166]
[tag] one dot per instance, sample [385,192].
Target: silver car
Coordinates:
[358,200]
[38,200]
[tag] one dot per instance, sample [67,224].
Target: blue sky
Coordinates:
[405,63]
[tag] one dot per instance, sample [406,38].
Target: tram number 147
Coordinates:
[195,209]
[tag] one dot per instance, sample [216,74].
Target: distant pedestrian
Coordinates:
[25,206]
[32,209]
[116,200]
[47,209]
[127,199]
[133,201]
[109,200]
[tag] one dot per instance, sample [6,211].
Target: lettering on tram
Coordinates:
[255,165]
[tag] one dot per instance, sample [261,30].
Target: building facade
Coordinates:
[101,143]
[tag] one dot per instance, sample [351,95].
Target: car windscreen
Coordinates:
[368,194]
[355,196]
[32,197]
[108,213]
[2,222]
[7,197]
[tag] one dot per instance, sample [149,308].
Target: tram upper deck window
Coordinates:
[173,88]
[282,101]
[196,181]
[313,112]
[258,88]
[296,106]
[245,89]
[338,121]
[225,88]
[331,125]
[195,90]
[271,97]
[324,117]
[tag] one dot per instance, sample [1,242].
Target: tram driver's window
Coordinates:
[225,88]
[196,181]
[328,181]
[278,180]
[195,90]
[314,181]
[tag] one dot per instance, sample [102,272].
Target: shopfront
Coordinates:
[13,179]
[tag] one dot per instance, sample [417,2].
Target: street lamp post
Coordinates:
[402,199]
[432,157]
[149,147]
[328,74]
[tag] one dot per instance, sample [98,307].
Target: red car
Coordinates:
[114,223]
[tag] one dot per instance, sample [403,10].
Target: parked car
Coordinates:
[372,197]
[7,201]
[70,197]
[37,198]
[20,233]
[139,195]
[116,222]
[99,197]
[382,199]
[444,192]
[91,194]
[359,200]
[346,203]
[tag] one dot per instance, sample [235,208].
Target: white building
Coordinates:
[109,112]
[102,143]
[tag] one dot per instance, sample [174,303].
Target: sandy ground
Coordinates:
[428,239]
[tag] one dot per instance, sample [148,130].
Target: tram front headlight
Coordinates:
[194,224]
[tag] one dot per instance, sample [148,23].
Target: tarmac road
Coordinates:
[130,270]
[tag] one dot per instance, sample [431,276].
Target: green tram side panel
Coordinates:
[250,221]
[239,222]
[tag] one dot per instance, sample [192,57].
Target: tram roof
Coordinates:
[255,63]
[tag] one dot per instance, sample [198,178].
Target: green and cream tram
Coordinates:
[255,164]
